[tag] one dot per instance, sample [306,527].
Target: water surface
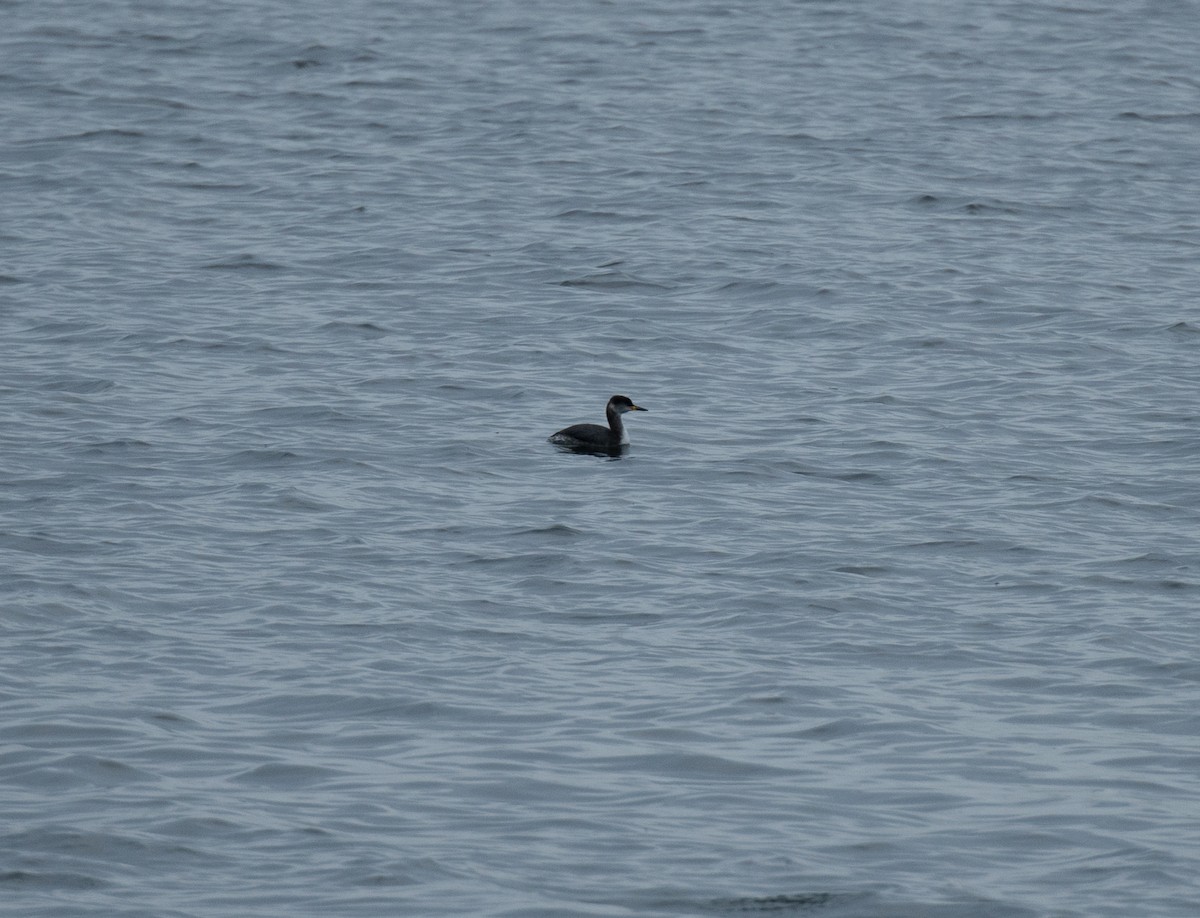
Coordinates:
[889,611]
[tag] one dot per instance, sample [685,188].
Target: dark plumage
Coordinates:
[593,437]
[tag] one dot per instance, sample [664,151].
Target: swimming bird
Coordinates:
[592,438]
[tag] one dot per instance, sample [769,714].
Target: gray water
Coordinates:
[889,612]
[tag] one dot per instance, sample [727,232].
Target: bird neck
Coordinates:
[616,425]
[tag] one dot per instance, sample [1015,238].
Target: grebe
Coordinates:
[593,437]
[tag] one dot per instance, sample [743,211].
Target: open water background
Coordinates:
[892,610]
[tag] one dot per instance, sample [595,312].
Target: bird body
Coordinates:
[595,438]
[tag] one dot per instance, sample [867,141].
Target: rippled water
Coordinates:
[891,609]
